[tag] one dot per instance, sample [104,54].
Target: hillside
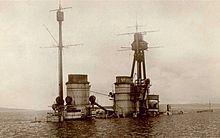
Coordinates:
[3,109]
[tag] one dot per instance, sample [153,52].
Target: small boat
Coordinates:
[172,112]
[35,120]
[206,110]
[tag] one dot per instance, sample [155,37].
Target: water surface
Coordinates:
[19,124]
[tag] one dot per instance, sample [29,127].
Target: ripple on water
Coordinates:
[186,125]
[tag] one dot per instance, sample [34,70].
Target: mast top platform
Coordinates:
[60,13]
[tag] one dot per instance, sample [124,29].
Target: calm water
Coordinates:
[18,124]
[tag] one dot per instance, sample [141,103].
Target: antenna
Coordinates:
[137,26]
[50,34]
[143,32]
[56,46]
[123,48]
[152,31]
[60,7]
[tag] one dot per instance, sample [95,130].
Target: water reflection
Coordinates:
[186,125]
[123,127]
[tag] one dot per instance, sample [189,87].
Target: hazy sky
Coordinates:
[185,70]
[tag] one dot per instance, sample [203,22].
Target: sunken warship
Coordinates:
[131,98]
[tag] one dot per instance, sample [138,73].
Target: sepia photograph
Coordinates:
[110,68]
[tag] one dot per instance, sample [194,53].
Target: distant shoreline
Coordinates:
[5,109]
[163,105]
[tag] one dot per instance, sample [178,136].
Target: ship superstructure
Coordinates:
[132,93]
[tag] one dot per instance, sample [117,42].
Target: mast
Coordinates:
[59,106]
[59,99]
[60,18]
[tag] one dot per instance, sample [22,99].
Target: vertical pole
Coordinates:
[60,68]
[133,66]
[60,61]
[144,68]
[137,51]
[139,68]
